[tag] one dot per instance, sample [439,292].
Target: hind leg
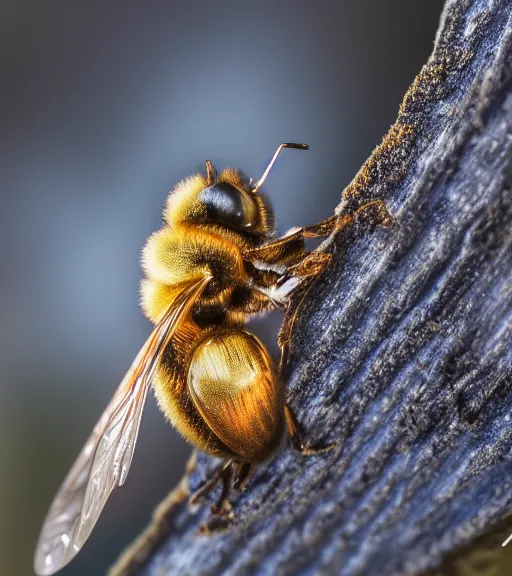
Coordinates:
[297,439]
[233,475]
[224,474]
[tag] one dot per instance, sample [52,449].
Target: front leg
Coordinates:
[289,249]
[275,265]
[312,264]
[284,265]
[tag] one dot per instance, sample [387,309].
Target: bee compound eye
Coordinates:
[223,203]
[230,206]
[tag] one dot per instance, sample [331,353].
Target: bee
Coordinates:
[215,263]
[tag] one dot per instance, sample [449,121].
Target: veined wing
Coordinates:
[105,459]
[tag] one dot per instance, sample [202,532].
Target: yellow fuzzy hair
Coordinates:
[181,254]
[182,201]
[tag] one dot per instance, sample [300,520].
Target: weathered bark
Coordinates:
[401,353]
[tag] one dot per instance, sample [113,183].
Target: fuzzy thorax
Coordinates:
[180,254]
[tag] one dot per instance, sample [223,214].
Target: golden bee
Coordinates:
[215,263]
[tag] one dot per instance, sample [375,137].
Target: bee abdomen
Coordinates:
[232,382]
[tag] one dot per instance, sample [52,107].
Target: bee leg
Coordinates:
[289,249]
[223,514]
[311,266]
[205,489]
[321,229]
[309,272]
[297,439]
[221,510]
[242,474]
[314,263]
[222,507]
[309,269]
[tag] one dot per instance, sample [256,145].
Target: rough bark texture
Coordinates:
[401,353]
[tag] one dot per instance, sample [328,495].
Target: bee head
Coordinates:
[226,201]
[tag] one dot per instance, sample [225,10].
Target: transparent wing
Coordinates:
[105,459]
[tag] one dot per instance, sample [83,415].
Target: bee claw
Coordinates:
[223,509]
[217,523]
[314,450]
[296,439]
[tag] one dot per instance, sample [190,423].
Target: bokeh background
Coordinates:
[104,106]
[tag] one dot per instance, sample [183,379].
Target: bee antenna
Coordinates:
[211,173]
[260,182]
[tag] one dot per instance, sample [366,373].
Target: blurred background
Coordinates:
[103,110]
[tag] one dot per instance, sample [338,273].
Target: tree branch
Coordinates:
[401,353]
